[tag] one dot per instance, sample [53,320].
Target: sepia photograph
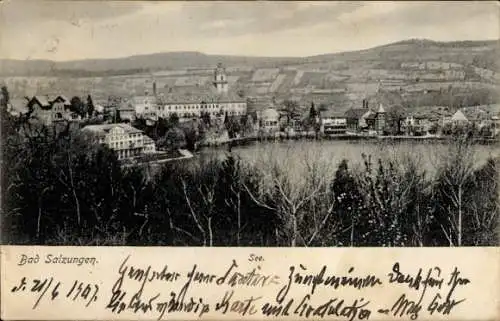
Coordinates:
[250,124]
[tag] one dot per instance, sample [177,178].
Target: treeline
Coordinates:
[57,188]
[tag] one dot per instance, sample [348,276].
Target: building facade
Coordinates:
[124,139]
[216,101]
[185,108]
[366,119]
[48,111]
[269,120]
[415,125]
[333,123]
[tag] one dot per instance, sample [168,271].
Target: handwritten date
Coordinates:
[51,289]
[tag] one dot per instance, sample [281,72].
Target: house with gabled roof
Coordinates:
[354,118]
[47,110]
[366,119]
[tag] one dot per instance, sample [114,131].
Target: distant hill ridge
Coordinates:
[486,51]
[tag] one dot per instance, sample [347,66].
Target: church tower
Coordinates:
[380,120]
[220,79]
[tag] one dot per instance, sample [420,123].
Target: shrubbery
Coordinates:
[59,189]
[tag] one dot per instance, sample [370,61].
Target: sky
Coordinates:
[69,30]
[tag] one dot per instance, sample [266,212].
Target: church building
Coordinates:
[216,100]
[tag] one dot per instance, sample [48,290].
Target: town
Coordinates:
[160,123]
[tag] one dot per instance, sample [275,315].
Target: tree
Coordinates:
[394,203]
[65,190]
[247,125]
[173,139]
[312,112]
[200,196]
[90,106]
[162,126]
[291,198]
[191,134]
[347,208]
[313,121]
[174,119]
[291,108]
[5,99]
[484,205]
[77,106]
[205,117]
[117,118]
[232,126]
[454,178]
[393,124]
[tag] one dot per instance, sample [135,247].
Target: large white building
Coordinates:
[186,107]
[269,119]
[333,122]
[216,100]
[124,139]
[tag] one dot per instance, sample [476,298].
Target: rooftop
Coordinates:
[63,98]
[196,94]
[355,112]
[105,128]
[42,100]
[332,114]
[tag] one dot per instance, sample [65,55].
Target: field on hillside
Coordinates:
[463,68]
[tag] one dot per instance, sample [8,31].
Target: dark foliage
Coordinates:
[61,189]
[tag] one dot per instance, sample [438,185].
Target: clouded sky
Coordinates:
[66,30]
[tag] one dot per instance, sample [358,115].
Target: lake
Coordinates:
[295,154]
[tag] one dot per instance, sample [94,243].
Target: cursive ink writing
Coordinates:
[336,307]
[242,307]
[251,279]
[433,279]
[313,280]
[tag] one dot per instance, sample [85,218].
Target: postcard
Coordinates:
[227,160]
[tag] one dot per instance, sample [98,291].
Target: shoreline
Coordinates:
[344,137]
[247,141]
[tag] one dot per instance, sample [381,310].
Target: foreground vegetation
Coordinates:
[57,188]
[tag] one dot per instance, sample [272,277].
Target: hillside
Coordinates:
[128,65]
[485,53]
[411,72]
